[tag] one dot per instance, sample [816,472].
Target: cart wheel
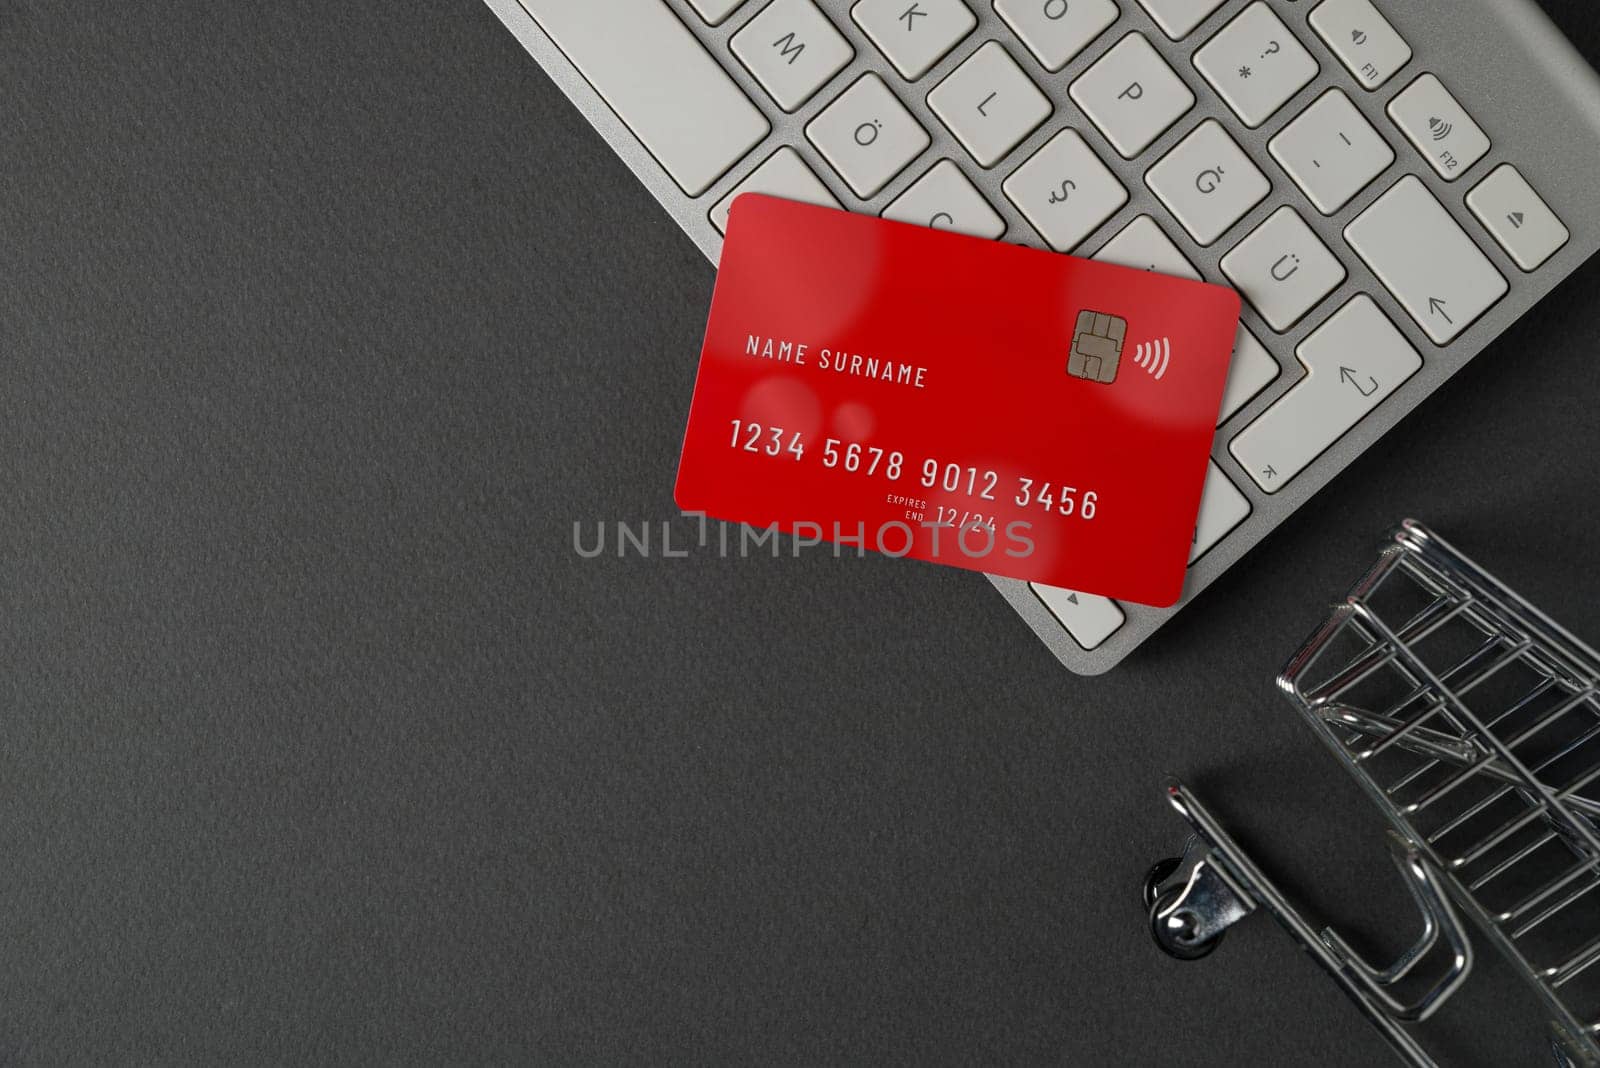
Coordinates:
[1157,875]
[1174,934]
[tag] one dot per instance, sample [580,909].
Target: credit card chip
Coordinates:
[1097,346]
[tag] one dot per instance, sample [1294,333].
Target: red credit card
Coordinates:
[967,402]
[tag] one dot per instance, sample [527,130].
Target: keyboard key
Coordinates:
[1283,269]
[1055,31]
[661,83]
[1208,183]
[1253,369]
[1353,361]
[989,104]
[714,11]
[1331,151]
[1065,191]
[914,36]
[1439,127]
[945,200]
[1132,95]
[1426,260]
[1362,39]
[1089,619]
[1256,64]
[782,174]
[1222,507]
[1143,246]
[867,135]
[1518,217]
[792,49]
[1178,18]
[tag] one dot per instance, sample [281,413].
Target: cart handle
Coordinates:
[1438,916]
[1367,986]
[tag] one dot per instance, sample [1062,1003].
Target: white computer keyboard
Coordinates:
[1389,189]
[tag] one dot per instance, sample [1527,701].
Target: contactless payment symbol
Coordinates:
[1097,346]
[1153,357]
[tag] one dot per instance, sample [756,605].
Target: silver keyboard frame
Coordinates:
[1510,67]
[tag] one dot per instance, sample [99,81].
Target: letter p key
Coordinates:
[1132,92]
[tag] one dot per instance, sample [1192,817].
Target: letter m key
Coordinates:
[788,46]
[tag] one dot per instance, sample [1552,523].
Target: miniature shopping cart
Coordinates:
[1473,721]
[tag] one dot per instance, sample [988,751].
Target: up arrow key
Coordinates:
[1436,306]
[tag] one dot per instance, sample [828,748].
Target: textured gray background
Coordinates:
[319,326]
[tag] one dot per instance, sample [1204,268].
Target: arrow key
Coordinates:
[1353,361]
[1089,619]
[1426,260]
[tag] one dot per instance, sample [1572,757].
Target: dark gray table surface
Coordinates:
[320,327]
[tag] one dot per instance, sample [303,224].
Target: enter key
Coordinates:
[1353,361]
